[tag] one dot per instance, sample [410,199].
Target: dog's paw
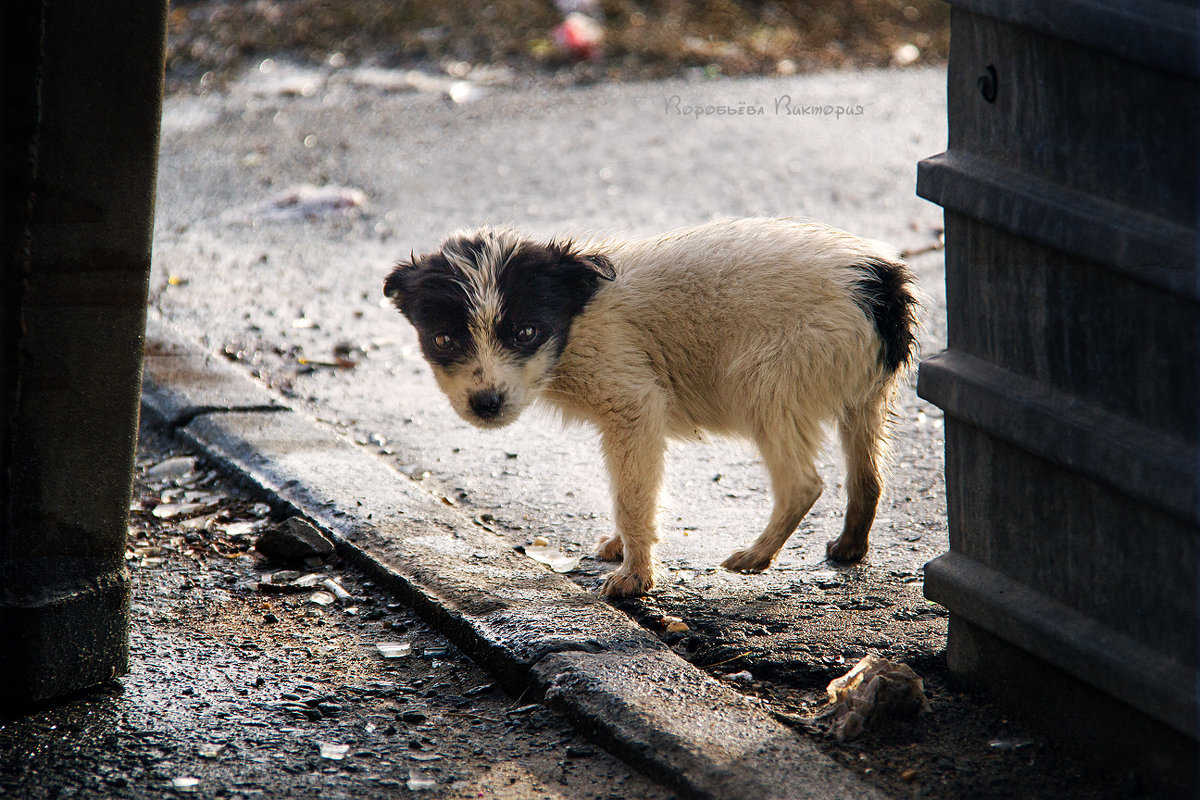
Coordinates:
[747,560]
[610,548]
[627,583]
[845,548]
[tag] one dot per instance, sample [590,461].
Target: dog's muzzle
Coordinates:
[486,404]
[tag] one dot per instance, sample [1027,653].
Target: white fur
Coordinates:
[743,327]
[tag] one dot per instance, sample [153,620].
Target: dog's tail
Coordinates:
[885,292]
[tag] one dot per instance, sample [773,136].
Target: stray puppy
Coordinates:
[761,328]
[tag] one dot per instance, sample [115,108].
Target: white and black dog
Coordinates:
[760,328]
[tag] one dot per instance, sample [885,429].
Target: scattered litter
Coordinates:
[193,496]
[209,749]
[203,523]
[579,36]
[186,783]
[552,558]
[336,363]
[282,577]
[1009,745]
[336,588]
[296,540]
[334,752]
[541,541]
[418,782]
[244,528]
[462,92]
[304,323]
[301,203]
[287,582]
[908,775]
[744,676]
[875,690]
[674,625]
[173,510]
[414,471]
[173,468]
[394,649]
[321,598]
[906,54]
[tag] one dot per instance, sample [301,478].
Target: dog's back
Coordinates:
[764,328]
[741,320]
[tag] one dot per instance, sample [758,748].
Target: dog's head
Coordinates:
[493,311]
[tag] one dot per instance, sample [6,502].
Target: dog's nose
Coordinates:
[487,403]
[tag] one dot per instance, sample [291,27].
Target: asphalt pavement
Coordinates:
[242,265]
[282,204]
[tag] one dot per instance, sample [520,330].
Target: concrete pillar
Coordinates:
[81,99]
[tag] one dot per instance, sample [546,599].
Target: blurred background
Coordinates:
[569,41]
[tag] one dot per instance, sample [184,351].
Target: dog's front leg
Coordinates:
[634,451]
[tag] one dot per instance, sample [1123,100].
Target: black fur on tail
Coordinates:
[885,294]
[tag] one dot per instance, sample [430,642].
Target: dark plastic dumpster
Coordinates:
[1070,381]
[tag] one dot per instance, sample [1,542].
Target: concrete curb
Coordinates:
[537,631]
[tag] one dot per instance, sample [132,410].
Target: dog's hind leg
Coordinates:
[864,439]
[634,452]
[795,485]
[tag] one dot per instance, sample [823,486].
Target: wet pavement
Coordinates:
[243,690]
[292,290]
[282,204]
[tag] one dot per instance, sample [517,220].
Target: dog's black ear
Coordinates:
[395,286]
[600,264]
[596,263]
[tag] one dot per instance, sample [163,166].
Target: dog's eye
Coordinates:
[443,341]
[526,335]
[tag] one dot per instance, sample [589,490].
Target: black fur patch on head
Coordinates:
[885,294]
[541,287]
[545,287]
[426,289]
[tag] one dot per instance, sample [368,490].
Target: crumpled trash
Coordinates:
[301,203]
[209,749]
[552,557]
[394,649]
[334,752]
[179,469]
[579,36]
[186,784]
[874,691]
